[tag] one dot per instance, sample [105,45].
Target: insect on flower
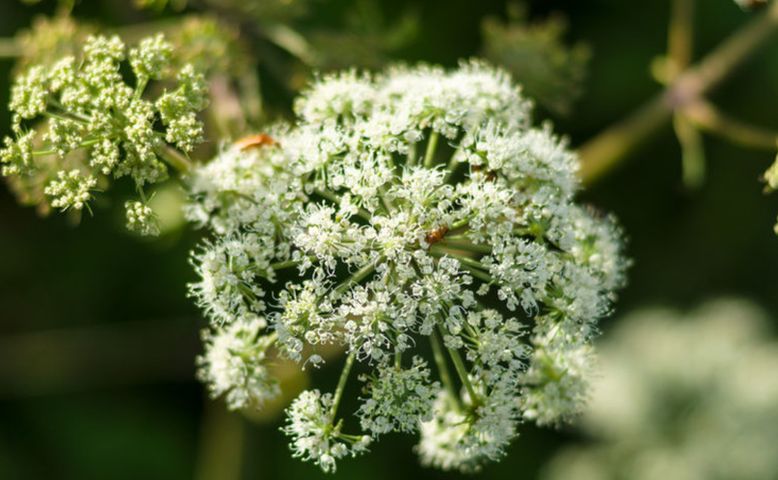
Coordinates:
[256,141]
[436,235]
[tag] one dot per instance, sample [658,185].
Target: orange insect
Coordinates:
[436,235]
[256,141]
[490,175]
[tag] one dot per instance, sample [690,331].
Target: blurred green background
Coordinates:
[98,339]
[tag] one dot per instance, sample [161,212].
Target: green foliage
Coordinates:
[536,55]
[50,38]
[367,38]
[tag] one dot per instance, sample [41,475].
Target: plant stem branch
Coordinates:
[334,198]
[291,41]
[440,361]
[692,151]
[286,264]
[175,159]
[459,366]
[707,117]
[221,444]
[341,385]
[680,36]
[606,150]
[357,277]
[432,144]
[465,245]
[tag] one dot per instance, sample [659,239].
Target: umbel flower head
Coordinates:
[83,112]
[411,218]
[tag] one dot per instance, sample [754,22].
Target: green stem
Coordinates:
[459,223]
[291,41]
[692,151]
[475,268]
[707,117]
[221,445]
[411,158]
[174,158]
[272,337]
[459,236]
[606,150]
[57,116]
[462,259]
[432,144]
[43,153]
[326,194]
[341,385]
[680,36]
[283,265]
[452,165]
[357,277]
[680,42]
[385,200]
[483,276]
[440,361]
[334,198]
[465,245]
[51,151]
[141,86]
[459,366]
[76,116]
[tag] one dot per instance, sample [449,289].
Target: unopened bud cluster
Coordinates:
[82,111]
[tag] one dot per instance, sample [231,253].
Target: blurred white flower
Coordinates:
[234,364]
[685,397]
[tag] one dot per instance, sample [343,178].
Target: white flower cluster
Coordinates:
[234,364]
[70,189]
[414,210]
[398,399]
[82,111]
[314,437]
[141,219]
[685,397]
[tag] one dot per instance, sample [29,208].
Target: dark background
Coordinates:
[97,337]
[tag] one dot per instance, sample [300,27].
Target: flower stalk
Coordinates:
[341,385]
[605,151]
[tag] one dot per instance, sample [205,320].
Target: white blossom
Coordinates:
[685,396]
[456,439]
[141,219]
[399,399]
[414,206]
[71,189]
[314,438]
[234,364]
